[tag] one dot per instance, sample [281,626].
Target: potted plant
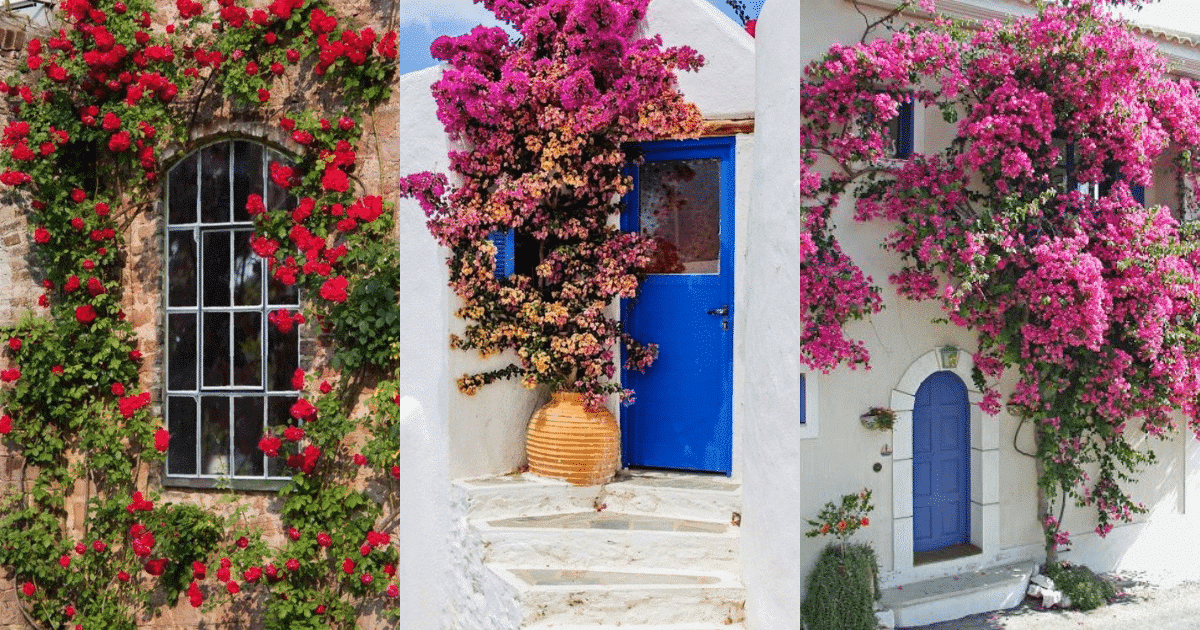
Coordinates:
[878,418]
[843,586]
[547,118]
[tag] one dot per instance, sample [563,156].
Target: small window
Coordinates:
[901,131]
[228,368]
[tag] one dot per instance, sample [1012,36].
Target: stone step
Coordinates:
[586,539]
[957,596]
[558,598]
[680,495]
[672,626]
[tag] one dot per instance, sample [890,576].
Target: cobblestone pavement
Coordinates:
[1140,606]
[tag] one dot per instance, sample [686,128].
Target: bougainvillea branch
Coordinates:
[545,118]
[1026,228]
[91,113]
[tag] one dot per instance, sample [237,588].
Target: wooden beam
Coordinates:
[727,127]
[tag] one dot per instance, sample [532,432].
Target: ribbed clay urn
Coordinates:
[566,441]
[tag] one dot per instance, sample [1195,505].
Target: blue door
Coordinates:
[941,464]
[683,415]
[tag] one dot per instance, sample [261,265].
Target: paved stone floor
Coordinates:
[575,577]
[1140,605]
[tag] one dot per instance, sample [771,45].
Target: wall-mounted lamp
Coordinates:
[949,357]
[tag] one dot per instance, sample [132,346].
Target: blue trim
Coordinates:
[904,137]
[803,400]
[505,252]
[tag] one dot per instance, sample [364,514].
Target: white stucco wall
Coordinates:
[772,484]
[424,374]
[724,87]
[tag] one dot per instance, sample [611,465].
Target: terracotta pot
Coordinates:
[565,441]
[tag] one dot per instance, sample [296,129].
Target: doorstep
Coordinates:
[956,596]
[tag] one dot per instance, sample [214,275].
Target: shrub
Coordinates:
[842,589]
[1087,590]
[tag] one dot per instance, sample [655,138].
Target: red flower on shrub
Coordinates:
[10,375]
[252,574]
[293,434]
[283,176]
[72,284]
[393,590]
[270,445]
[348,566]
[162,440]
[232,587]
[292,565]
[78,195]
[223,574]
[29,589]
[41,235]
[123,576]
[298,379]
[15,178]
[303,410]
[14,344]
[64,561]
[5,424]
[86,314]
[195,597]
[334,289]
[335,179]
[324,539]
[130,404]
[156,567]
[119,142]
[99,545]
[95,287]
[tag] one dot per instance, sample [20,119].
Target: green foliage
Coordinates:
[844,518]
[842,590]
[1087,590]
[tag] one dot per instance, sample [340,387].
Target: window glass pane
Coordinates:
[214,183]
[247,349]
[281,294]
[216,268]
[247,271]
[181,193]
[214,423]
[181,351]
[181,250]
[216,350]
[247,429]
[282,358]
[279,415]
[247,176]
[680,208]
[181,416]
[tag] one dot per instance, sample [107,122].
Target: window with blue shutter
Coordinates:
[505,243]
[902,129]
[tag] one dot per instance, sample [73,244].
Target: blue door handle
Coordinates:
[722,311]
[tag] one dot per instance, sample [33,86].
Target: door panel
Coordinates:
[683,414]
[941,464]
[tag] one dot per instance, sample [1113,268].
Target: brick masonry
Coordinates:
[377,173]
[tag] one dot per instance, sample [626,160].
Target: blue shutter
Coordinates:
[803,400]
[1139,193]
[904,137]
[505,248]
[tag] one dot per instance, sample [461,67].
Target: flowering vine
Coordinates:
[1026,228]
[91,113]
[545,118]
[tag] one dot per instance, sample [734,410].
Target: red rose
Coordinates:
[80,548]
[101,209]
[389,569]
[41,235]
[326,387]
[264,95]
[135,355]
[242,542]
[293,533]
[5,424]
[298,379]
[320,609]
[199,570]
[396,472]
[292,55]
[865,521]
[119,142]
[303,410]
[78,194]
[360,459]
[99,545]
[29,589]
[110,122]
[335,179]
[64,561]
[348,566]
[72,284]
[162,439]
[14,344]
[251,68]
[393,590]
[195,597]
[252,574]
[364,549]
[292,564]
[85,314]
[334,289]
[232,587]
[123,576]
[223,574]
[270,444]
[325,540]
[69,611]
[58,369]
[88,264]
[366,578]
[10,375]
[156,567]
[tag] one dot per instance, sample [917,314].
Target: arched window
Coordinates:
[228,370]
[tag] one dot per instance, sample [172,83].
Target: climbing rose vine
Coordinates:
[1025,228]
[545,118]
[90,114]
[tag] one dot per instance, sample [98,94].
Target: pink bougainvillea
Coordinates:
[544,117]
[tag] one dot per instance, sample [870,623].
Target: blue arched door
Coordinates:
[941,464]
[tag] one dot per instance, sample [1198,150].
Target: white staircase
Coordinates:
[650,551]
